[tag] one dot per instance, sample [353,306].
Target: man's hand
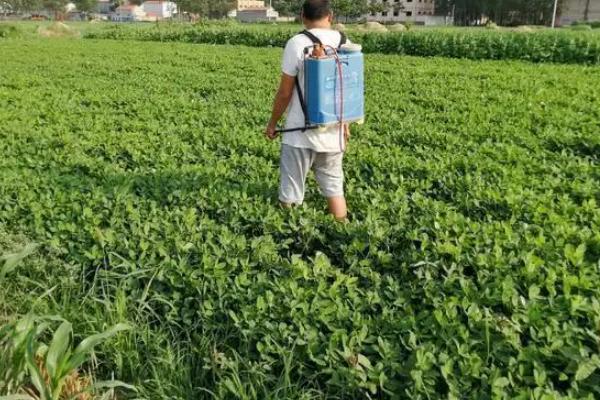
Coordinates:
[270,131]
[282,100]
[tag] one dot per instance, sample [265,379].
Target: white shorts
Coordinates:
[294,166]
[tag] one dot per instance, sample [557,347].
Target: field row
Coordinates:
[469,269]
[538,46]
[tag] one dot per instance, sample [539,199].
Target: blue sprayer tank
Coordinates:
[322,88]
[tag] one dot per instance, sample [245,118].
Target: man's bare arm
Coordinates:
[282,100]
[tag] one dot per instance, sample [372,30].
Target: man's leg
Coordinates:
[294,166]
[330,176]
[337,207]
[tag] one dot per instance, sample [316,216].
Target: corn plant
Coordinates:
[33,370]
[30,369]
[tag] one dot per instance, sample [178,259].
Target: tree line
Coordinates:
[56,6]
[502,12]
[465,12]
[345,9]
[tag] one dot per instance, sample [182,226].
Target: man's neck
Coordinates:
[323,24]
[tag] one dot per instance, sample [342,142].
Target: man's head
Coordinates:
[316,11]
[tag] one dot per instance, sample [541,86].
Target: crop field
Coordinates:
[537,45]
[469,268]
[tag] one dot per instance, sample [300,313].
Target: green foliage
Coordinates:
[466,12]
[538,46]
[9,31]
[11,261]
[581,27]
[207,8]
[49,369]
[288,7]
[350,8]
[377,7]
[504,12]
[469,268]
[86,5]
[57,6]
[24,5]
[593,24]
[342,9]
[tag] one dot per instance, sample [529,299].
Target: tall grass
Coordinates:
[159,358]
[40,360]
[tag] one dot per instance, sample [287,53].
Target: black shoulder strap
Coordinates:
[343,39]
[302,102]
[316,41]
[311,36]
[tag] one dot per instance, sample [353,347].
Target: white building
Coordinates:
[579,10]
[158,10]
[253,11]
[128,13]
[245,4]
[257,14]
[420,12]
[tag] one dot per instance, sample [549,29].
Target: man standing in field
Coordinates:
[302,151]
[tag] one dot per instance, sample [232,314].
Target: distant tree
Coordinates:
[342,9]
[218,8]
[116,4]
[289,8]
[377,7]
[444,7]
[6,6]
[191,6]
[503,12]
[350,9]
[586,11]
[58,7]
[207,8]
[466,12]
[85,6]
[346,9]
[398,6]
[24,5]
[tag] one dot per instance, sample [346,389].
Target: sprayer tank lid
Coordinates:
[351,48]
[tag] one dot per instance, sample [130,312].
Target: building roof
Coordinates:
[127,7]
[253,9]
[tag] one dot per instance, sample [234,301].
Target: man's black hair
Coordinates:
[314,10]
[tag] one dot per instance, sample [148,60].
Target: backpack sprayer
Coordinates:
[333,86]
